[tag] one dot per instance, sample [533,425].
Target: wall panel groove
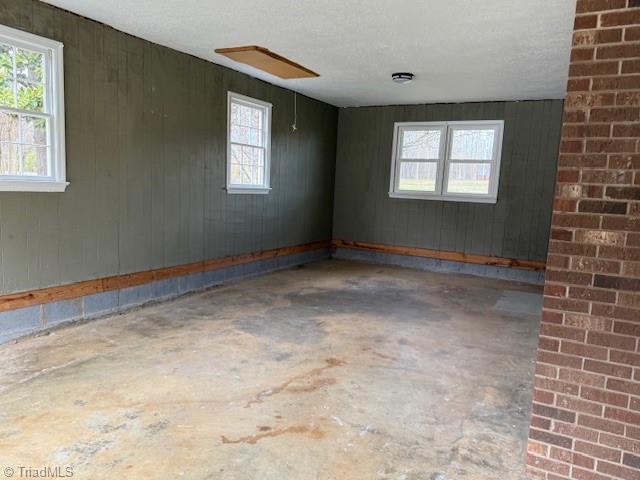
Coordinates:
[517,226]
[146,153]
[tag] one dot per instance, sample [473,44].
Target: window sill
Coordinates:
[32,186]
[444,198]
[248,190]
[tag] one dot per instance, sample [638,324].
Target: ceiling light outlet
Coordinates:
[402,77]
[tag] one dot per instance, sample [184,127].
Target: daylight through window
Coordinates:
[457,161]
[248,149]
[31,113]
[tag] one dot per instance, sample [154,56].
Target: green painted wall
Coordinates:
[515,227]
[146,146]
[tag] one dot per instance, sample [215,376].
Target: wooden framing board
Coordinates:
[89,287]
[267,61]
[17,300]
[440,255]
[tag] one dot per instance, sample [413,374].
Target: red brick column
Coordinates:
[586,410]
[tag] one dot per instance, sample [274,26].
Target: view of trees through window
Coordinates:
[469,160]
[466,176]
[247,145]
[419,159]
[24,121]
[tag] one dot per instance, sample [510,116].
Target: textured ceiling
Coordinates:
[460,50]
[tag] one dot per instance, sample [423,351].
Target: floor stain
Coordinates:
[314,384]
[438,381]
[157,427]
[314,433]
[385,357]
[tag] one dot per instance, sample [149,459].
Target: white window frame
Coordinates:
[444,161]
[266,107]
[54,111]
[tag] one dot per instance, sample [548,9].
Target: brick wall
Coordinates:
[586,411]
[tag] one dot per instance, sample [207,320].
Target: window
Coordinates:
[32,154]
[248,145]
[455,161]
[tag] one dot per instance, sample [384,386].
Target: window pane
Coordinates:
[472,144]
[424,144]
[248,138]
[469,178]
[418,176]
[247,165]
[8,127]
[236,154]
[30,97]
[9,161]
[35,161]
[247,135]
[256,118]
[7,98]
[247,175]
[247,155]
[29,66]
[6,61]
[252,156]
[34,130]
[246,116]
[258,175]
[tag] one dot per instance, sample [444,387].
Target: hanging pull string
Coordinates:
[294,125]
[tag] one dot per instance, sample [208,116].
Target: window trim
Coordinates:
[266,107]
[444,161]
[54,84]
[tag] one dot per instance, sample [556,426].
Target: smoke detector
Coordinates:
[402,77]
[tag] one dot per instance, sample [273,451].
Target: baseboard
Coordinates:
[442,261]
[26,313]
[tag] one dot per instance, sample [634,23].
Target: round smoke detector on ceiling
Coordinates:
[402,77]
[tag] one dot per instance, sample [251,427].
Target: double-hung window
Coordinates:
[248,145]
[455,161]
[32,152]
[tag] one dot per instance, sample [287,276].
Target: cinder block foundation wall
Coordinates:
[586,411]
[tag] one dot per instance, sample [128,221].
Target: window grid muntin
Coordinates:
[262,166]
[458,128]
[399,139]
[496,126]
[445,161]
[248,168]
[242,145]
[421,162]
[418,129]
[45,114]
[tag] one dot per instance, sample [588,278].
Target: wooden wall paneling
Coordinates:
[500,230]
[146,158]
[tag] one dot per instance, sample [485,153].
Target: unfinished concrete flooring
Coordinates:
[336,370]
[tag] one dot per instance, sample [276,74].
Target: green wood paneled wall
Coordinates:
[517,226]
[146,147]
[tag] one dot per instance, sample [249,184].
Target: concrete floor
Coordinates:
[337,370]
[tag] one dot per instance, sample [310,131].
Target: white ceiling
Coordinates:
[459,50]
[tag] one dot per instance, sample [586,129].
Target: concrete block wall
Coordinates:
[586,411]
[442,266]
[29,320]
